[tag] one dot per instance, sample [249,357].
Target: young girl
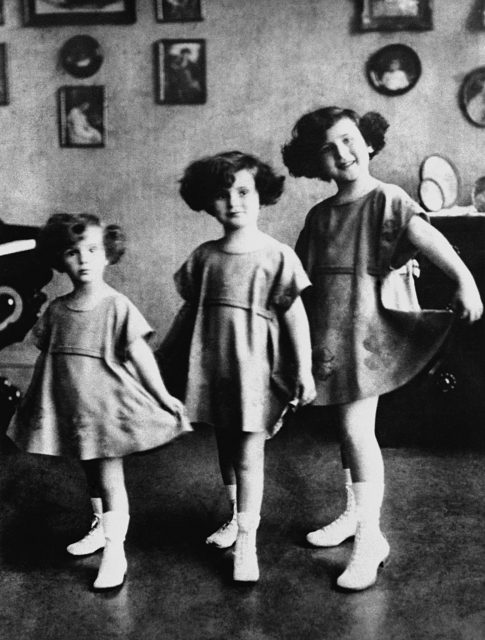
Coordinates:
[369,334]
[250,349]
[96,393]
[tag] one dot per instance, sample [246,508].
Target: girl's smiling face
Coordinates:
[86,260]
[238,206]
[344,154]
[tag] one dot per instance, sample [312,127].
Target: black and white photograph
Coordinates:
[180,72]
[396,15]
[178,10]
[39,13]
[82,116]
[242,329]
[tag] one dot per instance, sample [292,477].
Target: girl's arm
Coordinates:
[145,364]
[296,322]
[433,244]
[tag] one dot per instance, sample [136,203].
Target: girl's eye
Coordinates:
[327,148]
[243,192]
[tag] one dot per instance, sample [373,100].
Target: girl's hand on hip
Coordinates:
[467,301]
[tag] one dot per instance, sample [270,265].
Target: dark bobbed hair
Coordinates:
[302,153]
[63,230]
[207,177]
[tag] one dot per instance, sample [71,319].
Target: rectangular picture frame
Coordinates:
[396,15]
[43,13]
[2,15]
[4,91]
[180,71]
[82,116]
[178,11]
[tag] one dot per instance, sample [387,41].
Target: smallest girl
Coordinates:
[96,393]
[243,292]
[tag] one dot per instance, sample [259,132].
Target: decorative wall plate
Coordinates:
[431,195]
[472,96]
[442,171]
[478,194]
[394,69]
[81,56]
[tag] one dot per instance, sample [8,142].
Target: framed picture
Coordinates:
[82,116]
[180,72]
[178,10]
[396,15]
[472,96]
[2,18]
[41,13]
[394,69]
[4,98]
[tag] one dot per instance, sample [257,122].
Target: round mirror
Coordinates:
[443,172]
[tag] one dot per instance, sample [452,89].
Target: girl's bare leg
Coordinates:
[115,519]
[94,539]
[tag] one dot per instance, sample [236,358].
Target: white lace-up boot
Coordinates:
[94,539]
[371,549]
[226,535]
[113,566]
[340,529]
[246,567]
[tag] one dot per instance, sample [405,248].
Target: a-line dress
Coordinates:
[369,334]
[85,401]
[240,371]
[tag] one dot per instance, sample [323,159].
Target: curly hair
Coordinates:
[204,179]
[301,155]
[63,230]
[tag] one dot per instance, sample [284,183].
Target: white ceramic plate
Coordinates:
[431,195]
[442,171]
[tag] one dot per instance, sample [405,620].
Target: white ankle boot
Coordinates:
[370,552]
[371,549]
[113,566]
[246,567]
[340,529]
[226,535]
[92,541]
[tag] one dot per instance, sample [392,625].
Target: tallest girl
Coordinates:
[369,334]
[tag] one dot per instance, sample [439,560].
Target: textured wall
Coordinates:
[268,62]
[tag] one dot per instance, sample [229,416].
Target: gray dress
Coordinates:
[240,370]
[84,400]
[369,334]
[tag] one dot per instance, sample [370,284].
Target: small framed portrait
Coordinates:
[81,56]
[4,97]
[82,116]
[178,10]
[180,72]
[2,18]
[396,15]
[472,96]
[41,13]
[394,69]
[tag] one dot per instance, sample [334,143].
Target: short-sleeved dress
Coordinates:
[369,333]
[240,371]
[84,400]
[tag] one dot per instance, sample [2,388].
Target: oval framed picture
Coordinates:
[442,171]
[431,195]
[81,56]
[394,69]
[472,96]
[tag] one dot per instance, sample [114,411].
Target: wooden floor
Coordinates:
[177,588]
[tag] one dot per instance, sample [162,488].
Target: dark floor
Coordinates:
[177,588]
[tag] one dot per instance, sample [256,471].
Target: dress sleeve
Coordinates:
[395,250]
[290,280]
[132,326]
[185,278]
